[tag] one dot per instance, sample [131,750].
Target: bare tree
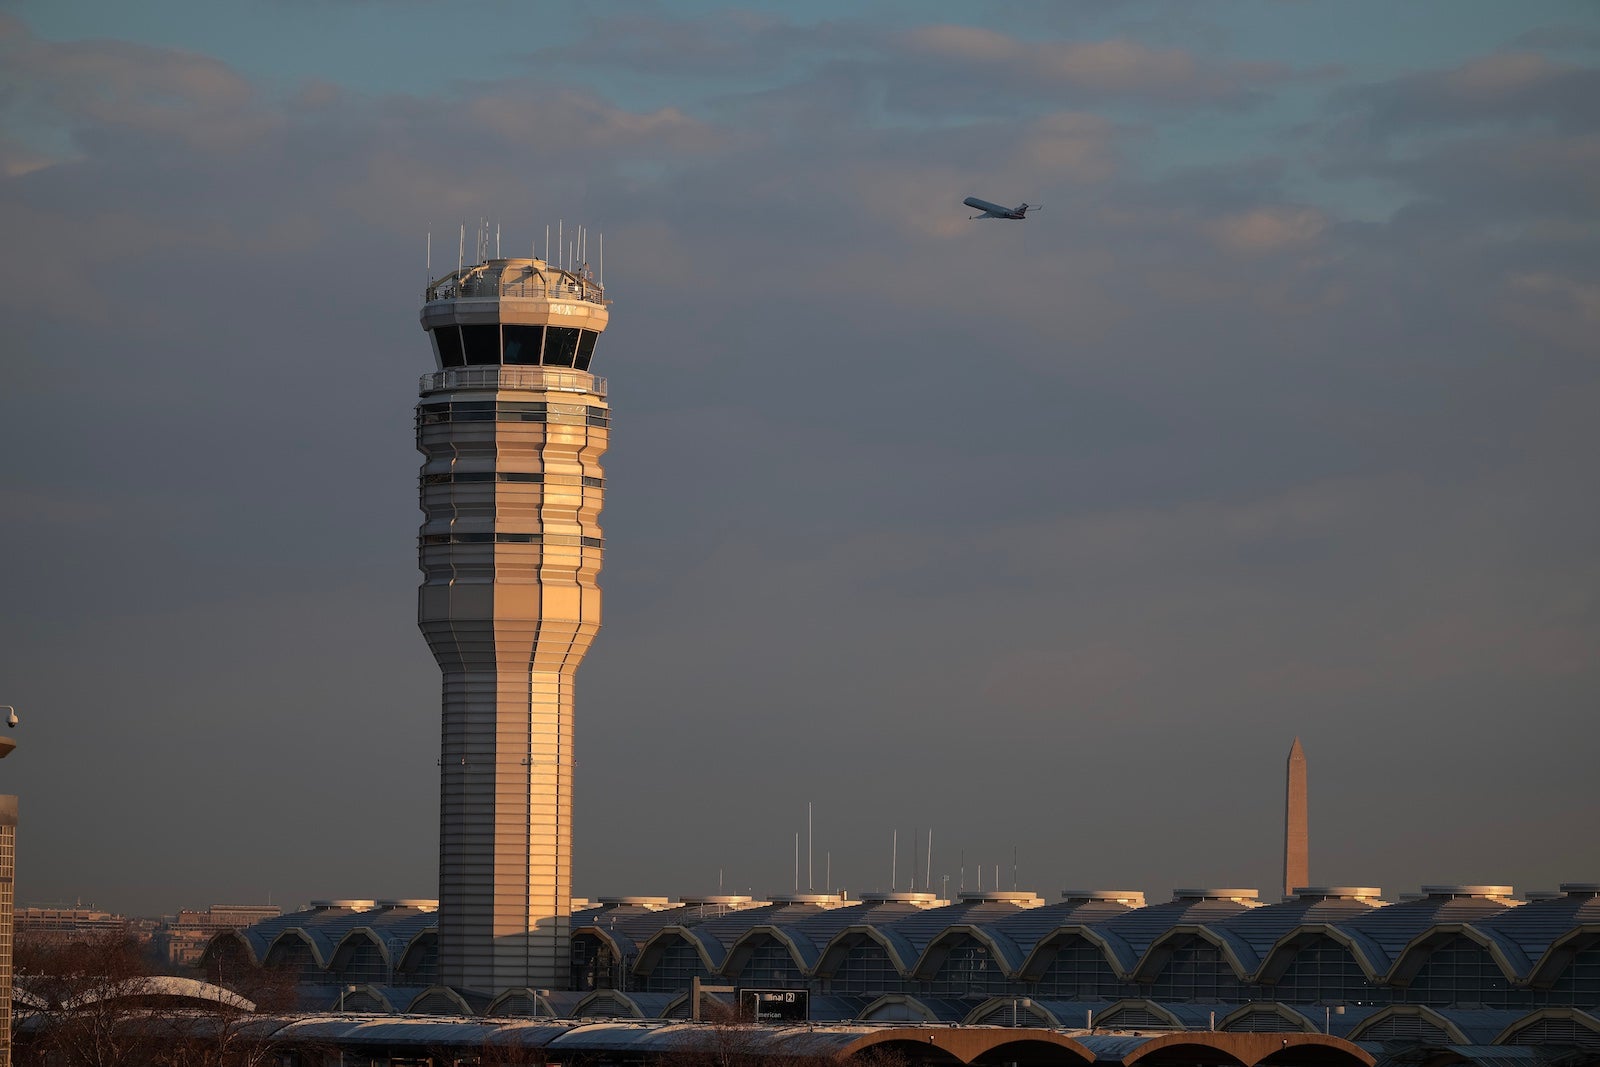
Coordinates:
[94,1002]
[74,991]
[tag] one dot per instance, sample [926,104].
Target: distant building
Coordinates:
[8,879]
[182,939]
[78,921]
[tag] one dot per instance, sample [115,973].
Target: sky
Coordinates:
[1048,537]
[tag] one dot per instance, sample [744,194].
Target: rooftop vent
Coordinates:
[1022,899]
[1130,897]
[348,905]
[653,903]
[1478,892]
[826,900]
[420,903]
[1338,892]
[731,902]
[902,896]
[1238,896]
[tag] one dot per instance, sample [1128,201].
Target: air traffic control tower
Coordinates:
[512,426]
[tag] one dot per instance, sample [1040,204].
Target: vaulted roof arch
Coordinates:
[804,953]
[1240,958]
[1419,949]
[1002,949]
[650,953]
[1044,953]
[898,949]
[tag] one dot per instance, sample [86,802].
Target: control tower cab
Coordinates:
[511,427]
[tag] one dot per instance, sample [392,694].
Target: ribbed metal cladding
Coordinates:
[510,551]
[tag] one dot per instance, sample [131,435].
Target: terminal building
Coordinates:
[1453,963]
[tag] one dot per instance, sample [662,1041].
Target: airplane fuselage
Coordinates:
[995,211]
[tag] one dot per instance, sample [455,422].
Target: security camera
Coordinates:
[11,720]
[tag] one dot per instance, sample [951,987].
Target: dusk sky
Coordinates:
[1281,419]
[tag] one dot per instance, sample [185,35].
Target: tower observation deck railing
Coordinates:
[512,378]
[481,288]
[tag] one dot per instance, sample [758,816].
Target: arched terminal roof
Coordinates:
[1382,934]
[809,935]
[1131,933]
[1547,931]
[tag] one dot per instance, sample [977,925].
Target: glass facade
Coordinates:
[566,347]
[1324,970]
[1080,972]
[1461,972]
[1198,971]
[678,964]
[968,971]
[867,970]
[772,965]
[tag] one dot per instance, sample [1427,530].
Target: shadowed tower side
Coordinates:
[512,427]
[1296,835]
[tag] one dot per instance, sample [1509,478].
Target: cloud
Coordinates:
[1269,228]
[114,86]
[1106,68]
[1509,87]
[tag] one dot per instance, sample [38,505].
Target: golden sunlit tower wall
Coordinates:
[511,426]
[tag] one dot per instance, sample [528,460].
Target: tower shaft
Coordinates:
[510,550]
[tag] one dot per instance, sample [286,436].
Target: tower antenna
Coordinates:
[810,884]
[894,861]
[797,861]
[560,240]
[461,251]
[602,260]
[913,859]
[547,242]
[927,881]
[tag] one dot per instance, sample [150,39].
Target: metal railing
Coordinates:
[487,289]
[567,381]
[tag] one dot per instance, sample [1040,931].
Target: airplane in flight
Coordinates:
[995,211]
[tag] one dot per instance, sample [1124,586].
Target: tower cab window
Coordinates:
[447,339]
[482,344]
